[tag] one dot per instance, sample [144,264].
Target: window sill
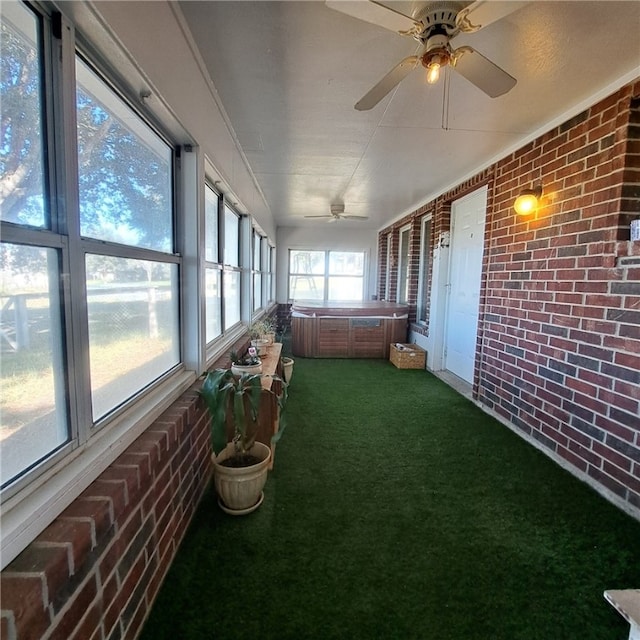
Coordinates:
[30,511]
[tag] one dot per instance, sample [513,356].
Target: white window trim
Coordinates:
[402,285]
[326,275]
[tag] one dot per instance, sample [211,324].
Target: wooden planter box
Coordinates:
[411,356]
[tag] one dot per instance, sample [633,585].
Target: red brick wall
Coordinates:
[561,359]
[95,571]
[558,350]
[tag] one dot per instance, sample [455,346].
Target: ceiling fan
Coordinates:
[337,213]
[434,28]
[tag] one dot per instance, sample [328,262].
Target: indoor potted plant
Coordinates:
[258,339]
[262,332]
[249,362]
[241,465]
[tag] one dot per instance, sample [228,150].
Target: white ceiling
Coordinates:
[289,73]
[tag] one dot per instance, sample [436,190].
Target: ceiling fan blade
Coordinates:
[376,13]
[481,13]
[391,80]
[323,216]
[478,70]
[354,217]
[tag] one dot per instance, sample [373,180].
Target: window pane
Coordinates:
[403,272]
[133,326]
[211,224]
[231,298]
[231,238]
[213,302]
[423,310]
[22,196]
[125,174]
[346,262]
[257,265]
[306,262]
[257,291]
[306,287]
[33,397]
[345,288]
[266,288]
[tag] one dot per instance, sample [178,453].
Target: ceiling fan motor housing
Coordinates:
[437,50]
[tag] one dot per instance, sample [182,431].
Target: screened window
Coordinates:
[326,275]
[424,279]
[213,270]
[270,278]
[231,273]
[403,266]
[124,170]
[22,165]
[89,294]
[258,299]
[34,385]
[387,280]
[125,188]
[33,381]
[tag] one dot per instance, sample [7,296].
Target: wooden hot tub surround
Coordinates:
[346,329]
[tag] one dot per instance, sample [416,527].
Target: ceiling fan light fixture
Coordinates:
[527,201]
[433,72]
[433,61]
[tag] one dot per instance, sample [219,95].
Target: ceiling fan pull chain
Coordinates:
[445,101]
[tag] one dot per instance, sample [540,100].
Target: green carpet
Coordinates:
[398,509]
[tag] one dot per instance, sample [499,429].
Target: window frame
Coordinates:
[229,268]
[213,265]
[326,274]
[424,276]
[404,272]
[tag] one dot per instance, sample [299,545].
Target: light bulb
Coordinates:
[526,202]
[433,72]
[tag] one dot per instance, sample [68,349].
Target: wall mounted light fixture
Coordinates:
[527,201]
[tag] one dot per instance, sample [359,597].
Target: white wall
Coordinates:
[322,237]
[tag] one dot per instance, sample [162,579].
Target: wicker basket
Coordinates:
[410,356]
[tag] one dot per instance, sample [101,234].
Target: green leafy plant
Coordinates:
[260,328]
[223,392]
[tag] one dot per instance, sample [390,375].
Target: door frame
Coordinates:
[441,286]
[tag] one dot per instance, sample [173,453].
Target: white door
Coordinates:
[467,245]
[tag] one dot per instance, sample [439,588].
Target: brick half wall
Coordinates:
[94,572]
[558,349]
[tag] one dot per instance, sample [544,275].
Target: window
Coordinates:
[326,275]
[231,273]
[263,264]
[89,271]
[213,269]
[125,178]
[424,279]
[388,265]
[403,265]
[258,298]
[270,284]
